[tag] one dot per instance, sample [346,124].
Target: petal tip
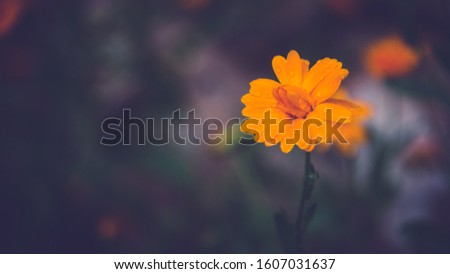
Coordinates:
[293,54]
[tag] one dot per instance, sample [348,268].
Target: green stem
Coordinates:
[300,225]
[291,234]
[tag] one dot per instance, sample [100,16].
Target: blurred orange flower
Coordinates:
[355,131]
[390,57]
[301,97]
[10,11]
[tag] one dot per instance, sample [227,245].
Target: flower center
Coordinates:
[292,101]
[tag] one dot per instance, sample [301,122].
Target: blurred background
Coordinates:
[65,66]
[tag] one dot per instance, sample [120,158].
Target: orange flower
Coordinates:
[354,132]
[298,105]
[10,11]
[390,57]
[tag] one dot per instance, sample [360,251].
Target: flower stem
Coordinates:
[304,215]
[291,234]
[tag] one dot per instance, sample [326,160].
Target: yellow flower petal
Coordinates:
[331,112]
[255,127]
[354,109]
[255,101]
[285,146]
[254,112]
[292,101]
[263,87]
[258,112]
[324,78]
[290,71]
